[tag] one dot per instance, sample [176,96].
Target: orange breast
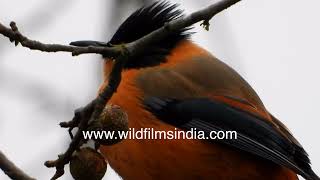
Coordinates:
[178,159]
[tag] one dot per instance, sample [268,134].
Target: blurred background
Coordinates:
[273,44]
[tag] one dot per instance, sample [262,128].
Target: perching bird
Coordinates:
[176,84]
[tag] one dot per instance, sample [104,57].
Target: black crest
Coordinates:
[144,21]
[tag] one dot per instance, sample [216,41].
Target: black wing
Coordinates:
[254,135]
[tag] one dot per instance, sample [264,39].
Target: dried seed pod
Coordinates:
[113,120]
[87,164]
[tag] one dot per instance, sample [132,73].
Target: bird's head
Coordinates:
[140,23]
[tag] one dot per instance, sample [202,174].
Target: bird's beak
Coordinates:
[89,43]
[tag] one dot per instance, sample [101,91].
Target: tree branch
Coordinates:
[202,15]
[12,170]
[87,117]
[15,36]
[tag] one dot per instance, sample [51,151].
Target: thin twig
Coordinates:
[88,114]
[15,36]
[12,170]
[83,117]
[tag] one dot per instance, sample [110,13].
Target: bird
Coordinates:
[176,85]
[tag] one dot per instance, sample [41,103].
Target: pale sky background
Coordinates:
[273,44]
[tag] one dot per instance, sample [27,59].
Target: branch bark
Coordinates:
[86,117]
[15,36]
[10,169]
